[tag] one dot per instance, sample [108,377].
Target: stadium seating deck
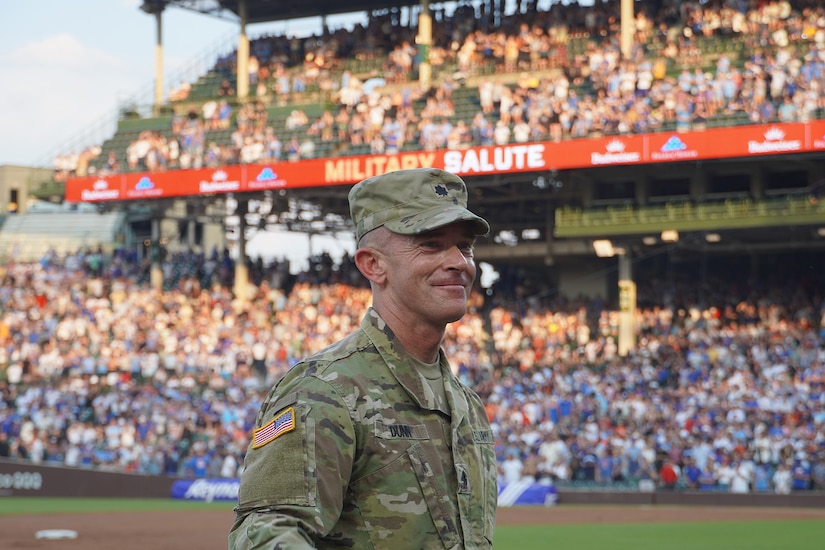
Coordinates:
[465,98]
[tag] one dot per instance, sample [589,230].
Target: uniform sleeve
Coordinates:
[259,530]
[297,469]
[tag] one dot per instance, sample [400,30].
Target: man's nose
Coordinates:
[457,259]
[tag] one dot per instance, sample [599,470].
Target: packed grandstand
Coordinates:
[724,390]
[692,66]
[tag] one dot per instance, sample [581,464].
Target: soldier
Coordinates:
[373,442]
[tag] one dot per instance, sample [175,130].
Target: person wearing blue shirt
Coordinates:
[761,478]
[198,464]
[707,481]
[692,473]
[605,466]
[801,473]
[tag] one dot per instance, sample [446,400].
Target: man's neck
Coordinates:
[421,341]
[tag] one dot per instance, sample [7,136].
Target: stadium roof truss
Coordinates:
[260,11]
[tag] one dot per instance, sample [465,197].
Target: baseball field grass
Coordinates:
[24,505]
[767,534]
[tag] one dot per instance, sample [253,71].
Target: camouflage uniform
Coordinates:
[369,457]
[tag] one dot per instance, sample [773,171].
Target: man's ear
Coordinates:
[371,265]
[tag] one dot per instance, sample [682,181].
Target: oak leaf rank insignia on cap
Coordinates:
[278,426]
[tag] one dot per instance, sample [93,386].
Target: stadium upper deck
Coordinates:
[748,204]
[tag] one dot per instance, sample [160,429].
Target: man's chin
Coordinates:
[452,317]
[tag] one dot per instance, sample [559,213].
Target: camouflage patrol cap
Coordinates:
[411,202]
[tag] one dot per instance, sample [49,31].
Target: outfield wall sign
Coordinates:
[522,493]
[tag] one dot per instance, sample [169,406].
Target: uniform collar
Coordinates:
[400,362]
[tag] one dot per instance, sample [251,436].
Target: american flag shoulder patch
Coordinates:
[278,426]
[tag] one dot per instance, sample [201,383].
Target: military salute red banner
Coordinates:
[715,143]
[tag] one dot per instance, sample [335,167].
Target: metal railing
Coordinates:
[687,216]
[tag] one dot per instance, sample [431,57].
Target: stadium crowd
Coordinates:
[724,391]
[770,68]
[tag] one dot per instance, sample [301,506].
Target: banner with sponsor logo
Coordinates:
[527,493]
[523,493]
[206,489]
[715,143]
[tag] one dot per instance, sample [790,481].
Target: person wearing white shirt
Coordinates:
[502,133]
[782,480]
[229,466]
[511,468]
[724,474]
[740,481]
[521,132]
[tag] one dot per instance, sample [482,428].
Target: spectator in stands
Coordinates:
[742,479]
[416,249]
[782,479]
[225,88]
[272,145]
[224,115]
[501,133]
[252,150]
[5,447]
[801,472]
[112,165]
[761,478]
[559,470]
[180,92]
[378,146]
[192,141]
[306,149]
[482,130]
[669,475]
[253,67]
[608,468]
[817,472]
[228,465]
[646,475]
[297,119]
[692,473]
[460,136]
[293,149]
[298,85]
[530,473]
[209,111]
[511,468]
